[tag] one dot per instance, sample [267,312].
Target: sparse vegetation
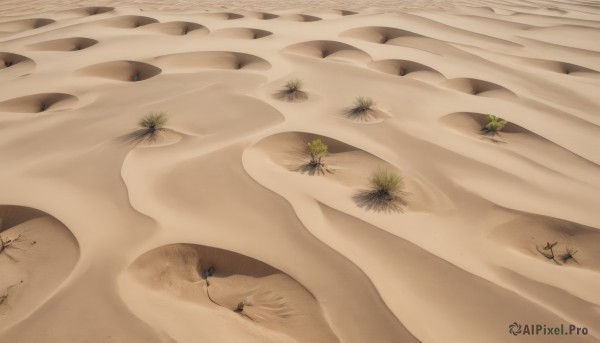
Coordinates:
[363,109]
[386,193]
[548,252]
[8,243]
[292,91]
[363,105]
[151,125]
[494,125]
[568,255]
[317,150]
[242,304]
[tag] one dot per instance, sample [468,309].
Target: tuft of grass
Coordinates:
[292,91]
[386,193]
[386,182]
[494,125]
[153,122]
[150,126]
[363,105]
[293,85]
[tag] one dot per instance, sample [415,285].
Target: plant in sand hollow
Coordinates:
[547,251]
[494,125]
[317,150]
[242,304]
[363,105]
[292,91]
[568,255]
[5,244]
[152,124]
[386,193]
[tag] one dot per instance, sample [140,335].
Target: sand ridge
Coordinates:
[135,225]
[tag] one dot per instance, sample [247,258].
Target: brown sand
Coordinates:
[109,240]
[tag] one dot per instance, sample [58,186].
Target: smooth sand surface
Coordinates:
[112,239]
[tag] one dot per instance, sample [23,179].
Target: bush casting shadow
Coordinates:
[363,110]
[292,92]
[386,193]
[151,126]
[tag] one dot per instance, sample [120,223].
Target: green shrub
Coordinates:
[495,124]
[317,150]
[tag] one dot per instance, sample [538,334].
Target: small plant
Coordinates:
[8,243]
[568,255]
[386,183]
[317,150]
[242,304]
[363,105]
[292,91]
[547,251]
[386,193]
[494,125]
[151,125]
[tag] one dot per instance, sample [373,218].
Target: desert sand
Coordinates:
[112,238]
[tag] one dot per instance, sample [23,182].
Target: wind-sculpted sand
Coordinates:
[217,227]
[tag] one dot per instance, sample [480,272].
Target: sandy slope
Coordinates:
[115,239]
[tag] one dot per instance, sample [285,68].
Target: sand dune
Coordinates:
[210,221]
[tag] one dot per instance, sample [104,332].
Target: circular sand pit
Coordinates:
[378,34]
[242,33]
[327,49]
[8,60]
[478,87]
[214,60]
[128,71]
[262,15]
[65,44]
[36,103]
[222,279]
[178,28]
[37,253]
[128,21]
[224,15]
[24,25]
[407,69]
